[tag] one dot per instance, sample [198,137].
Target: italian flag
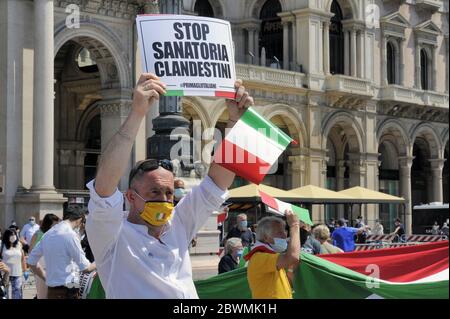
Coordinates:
[413,272]
[279,207]
[251,147]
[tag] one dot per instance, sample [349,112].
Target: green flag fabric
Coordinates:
[317,278]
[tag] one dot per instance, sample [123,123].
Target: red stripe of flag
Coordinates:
[242,162]
[268,200]
[400,264]
[229,95]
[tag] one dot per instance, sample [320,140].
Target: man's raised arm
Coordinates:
[222,177]
[115,158]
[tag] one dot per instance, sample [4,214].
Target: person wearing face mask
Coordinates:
[179,190]
[233,254]
[242,231]
[27,232]
[12,255]
[273,258]
[64,257]
[144,252]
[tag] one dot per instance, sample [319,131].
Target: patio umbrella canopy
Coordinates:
[363,195]
[249,193]
[318,195]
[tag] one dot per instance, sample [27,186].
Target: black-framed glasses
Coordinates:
[149,165]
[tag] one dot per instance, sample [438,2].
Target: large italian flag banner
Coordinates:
[251,147]
[414,272]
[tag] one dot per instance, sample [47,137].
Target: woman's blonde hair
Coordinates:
[321,233]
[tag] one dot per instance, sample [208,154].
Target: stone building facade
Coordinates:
[362,85]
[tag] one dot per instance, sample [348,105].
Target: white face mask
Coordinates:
[12,238]
[280,244]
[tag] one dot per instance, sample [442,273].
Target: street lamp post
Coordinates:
[170,118]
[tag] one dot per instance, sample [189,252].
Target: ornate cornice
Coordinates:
[124,9]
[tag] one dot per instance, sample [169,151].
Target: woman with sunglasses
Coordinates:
[144,253]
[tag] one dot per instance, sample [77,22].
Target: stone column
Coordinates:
[285,44]
[436,175]
[256,45]
[353,52]
[401,44]
[446,63]
[405,164]
[340,171]
[361,48]
[326,47]
[346,53]
[251,47]
[42,198]
[384,81]
[319,55]
[43,113]
[417,63]
[294,45]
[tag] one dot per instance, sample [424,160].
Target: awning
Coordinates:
[363,195]
[249,193]
[317,195]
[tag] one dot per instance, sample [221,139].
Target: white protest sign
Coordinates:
[192,55]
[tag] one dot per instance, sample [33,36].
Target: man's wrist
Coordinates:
[294,225]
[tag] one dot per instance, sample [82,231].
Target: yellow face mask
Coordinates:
[157,213]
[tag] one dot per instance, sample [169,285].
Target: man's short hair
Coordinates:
[341,222]
[73,213]
[397,220]
[141,167]
[265,227]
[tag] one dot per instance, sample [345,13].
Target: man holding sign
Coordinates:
[144,253]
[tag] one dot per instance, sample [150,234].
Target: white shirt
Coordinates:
[28,231]
[133,264]
[12,257]
[62,252]
[378,230]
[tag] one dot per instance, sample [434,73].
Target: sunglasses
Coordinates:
[148,166]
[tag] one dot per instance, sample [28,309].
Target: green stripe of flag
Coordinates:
[174,93]
[257,122]
[302,214]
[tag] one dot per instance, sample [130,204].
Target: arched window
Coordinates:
[203,8]
[271,32]
[391,63]
[336,40]
[424,69]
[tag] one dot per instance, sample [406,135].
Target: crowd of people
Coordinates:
[51,249]
[274,255]
[144,252]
